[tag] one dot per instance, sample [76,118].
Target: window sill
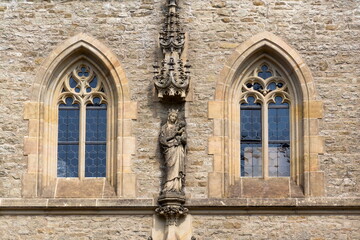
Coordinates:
[274,187]
[76,188]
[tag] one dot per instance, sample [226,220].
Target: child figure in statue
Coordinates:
[173,142]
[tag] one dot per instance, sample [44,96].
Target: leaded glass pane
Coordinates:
[279,138]
[251,137]
[250,120]
[95,150]
[279,160]
[68,162]
[68,139]
[95,160]
[251,160]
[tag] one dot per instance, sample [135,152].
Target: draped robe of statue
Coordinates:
[173,141]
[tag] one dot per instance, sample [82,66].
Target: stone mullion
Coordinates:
[82,132]
[265,139]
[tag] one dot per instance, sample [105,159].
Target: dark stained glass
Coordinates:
[257,86]
[265,73]
[83,72]
[72,82]
[251,137]
[93,82]
[271,86]
[279,139]
[68,139]
[95,149]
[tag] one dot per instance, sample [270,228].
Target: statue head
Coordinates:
[173,116]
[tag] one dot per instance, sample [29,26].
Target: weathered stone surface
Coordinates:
[317,30]
[73,188]
[124,202]
[68,202]
[276,227]
[75,227]
[269,188]
[215,203]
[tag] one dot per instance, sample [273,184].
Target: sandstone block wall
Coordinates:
[276,227]
[206,227]
[326,34]
[74,227]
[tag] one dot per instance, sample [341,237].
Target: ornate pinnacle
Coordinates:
[174,77]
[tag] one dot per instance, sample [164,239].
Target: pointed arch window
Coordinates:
[82,124]
[266,115]
[265,123]
[80,114]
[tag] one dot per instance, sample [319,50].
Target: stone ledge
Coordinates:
[74,202]
[220,206]
[125,202]
[191,203]
[274,202]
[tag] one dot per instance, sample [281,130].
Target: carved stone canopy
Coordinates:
[172,75]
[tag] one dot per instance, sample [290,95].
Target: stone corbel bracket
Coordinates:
[172,213]
[178,221]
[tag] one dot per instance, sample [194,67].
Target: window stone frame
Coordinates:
[224,145]
[41,179]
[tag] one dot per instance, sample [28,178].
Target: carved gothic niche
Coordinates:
[172,75]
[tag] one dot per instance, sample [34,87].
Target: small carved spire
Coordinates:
[172,77]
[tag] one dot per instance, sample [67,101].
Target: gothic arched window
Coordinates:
[266,114]
[80,113]
[82,124]
[265,123]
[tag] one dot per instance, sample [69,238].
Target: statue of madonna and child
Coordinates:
[173,142]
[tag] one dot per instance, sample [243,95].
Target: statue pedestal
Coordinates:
[171,199]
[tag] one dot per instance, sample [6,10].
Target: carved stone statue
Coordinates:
[173,142]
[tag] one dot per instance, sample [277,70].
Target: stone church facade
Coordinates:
[180,119]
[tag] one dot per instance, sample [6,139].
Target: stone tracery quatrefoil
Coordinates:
[264,83]
[83,85]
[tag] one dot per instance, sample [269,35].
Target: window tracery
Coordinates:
[82,124]
[264,123]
